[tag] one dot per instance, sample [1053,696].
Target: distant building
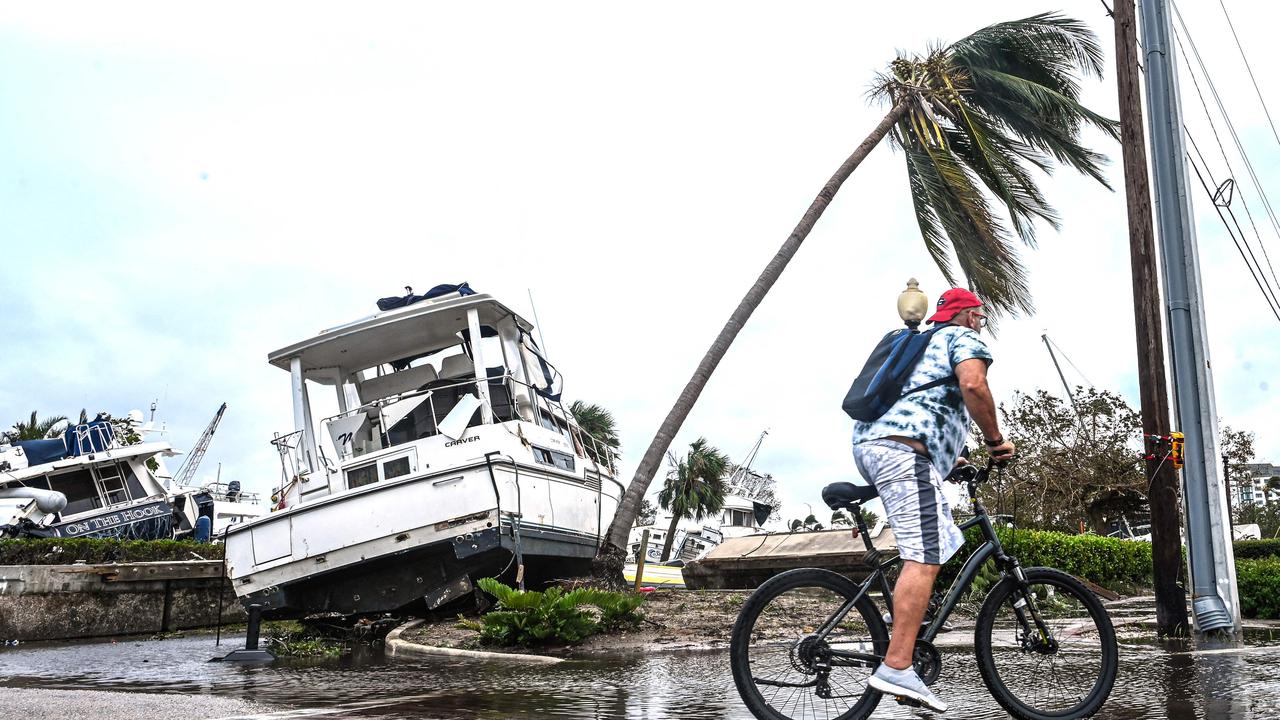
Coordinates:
[1253,490]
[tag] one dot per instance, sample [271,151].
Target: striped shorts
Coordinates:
[911,490]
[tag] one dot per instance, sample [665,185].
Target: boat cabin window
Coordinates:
[361,476]
[553,458]
[80,489]
[386,469]
[738,518]
[395,468]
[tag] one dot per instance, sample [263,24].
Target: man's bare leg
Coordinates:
[910,600]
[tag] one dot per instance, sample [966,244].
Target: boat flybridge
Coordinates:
[450,458]
[90,483]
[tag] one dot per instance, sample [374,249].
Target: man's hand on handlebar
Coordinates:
[1002,453]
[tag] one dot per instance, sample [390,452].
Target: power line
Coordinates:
[1227,205]
[1248,67]
[1213,90]
[1073,365]
[1259,278]
[1270,305]
[1223,151]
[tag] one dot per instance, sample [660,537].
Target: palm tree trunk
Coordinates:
[671,536]
[609,559]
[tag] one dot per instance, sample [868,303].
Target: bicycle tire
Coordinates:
[793,584]
[1051,583]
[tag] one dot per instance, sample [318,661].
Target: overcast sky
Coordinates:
[185,190]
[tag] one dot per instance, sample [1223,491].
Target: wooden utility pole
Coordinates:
[1162,495]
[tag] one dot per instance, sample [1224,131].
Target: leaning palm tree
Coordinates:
[34,429]
[982,113]
[695,488]
[598,423]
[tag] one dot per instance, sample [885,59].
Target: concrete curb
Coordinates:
[397,647]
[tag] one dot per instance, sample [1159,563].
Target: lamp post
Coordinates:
[912,304]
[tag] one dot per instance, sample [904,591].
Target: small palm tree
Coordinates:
[1272,486]
[598,423]
[695,487]
[809,524]
[34,429]
[974,119]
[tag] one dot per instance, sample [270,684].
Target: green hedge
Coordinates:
[68,551]
[1259,584]
[1250,549]
[1101,560]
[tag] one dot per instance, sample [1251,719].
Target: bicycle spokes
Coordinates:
[805,646]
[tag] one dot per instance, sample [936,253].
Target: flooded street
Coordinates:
[173,679]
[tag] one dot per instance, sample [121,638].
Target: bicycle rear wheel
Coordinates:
[1067,672]
[786,670]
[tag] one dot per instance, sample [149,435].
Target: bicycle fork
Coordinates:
[1024,604]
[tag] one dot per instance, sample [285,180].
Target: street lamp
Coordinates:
[912,304]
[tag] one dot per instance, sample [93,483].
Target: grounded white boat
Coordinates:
[87,483]
[741,516]
[450,458]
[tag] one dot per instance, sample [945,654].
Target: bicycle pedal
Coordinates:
[904,700]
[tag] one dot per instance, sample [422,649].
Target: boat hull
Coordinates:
[418,543]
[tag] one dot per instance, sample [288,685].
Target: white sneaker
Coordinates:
[905,684]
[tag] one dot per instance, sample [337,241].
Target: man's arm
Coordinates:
[972,375]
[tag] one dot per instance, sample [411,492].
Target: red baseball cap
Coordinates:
[952,302]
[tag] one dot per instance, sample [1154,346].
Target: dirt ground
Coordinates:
[673,619]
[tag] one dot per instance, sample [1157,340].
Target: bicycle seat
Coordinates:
[843,495]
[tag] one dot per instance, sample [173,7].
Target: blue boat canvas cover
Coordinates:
[544,377]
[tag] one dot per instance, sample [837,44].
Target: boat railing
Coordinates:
[546,413]
[230,492]
[88,438]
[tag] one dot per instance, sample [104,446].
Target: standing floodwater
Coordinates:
[172,679]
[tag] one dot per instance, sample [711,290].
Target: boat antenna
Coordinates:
[1070,396]
[743,470]
[536,321]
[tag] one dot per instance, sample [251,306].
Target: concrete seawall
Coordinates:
[58,602]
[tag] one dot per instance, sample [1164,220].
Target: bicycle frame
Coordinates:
[991,547]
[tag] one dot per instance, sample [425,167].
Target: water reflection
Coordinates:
[1172,681]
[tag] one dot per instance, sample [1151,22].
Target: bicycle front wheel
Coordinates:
[1062,666]
[784,664]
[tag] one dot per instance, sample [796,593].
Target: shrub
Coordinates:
[1258,582]
[1249,549]
[1101,560]
[529,617]
[68,551]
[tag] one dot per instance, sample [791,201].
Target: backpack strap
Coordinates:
[935,383]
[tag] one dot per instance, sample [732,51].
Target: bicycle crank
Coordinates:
[927,661]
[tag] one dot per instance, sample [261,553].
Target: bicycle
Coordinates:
[806,640]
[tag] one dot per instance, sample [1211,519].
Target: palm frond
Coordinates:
[984,113]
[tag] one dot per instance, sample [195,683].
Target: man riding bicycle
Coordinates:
[907,451]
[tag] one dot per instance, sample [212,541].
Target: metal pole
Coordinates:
[1215,604]
[1071,397]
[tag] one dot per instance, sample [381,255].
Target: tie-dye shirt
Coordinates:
[936,417]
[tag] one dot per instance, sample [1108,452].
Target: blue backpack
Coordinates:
[880,383]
